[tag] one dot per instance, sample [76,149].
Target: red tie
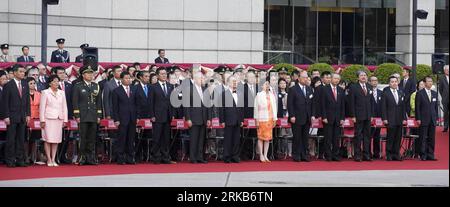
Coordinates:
[62,86]
[334,93]
[20,89]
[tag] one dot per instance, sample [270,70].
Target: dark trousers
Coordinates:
[376,142]
[125,142]
[394,141]
[428,140]
[161,142]
[88,135]
[15,138]
[445,108]
[417,141]
[362,134]
[300,141]
[332,133]
[232,137]
[196,142]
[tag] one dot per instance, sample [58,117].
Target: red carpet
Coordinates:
[442,153]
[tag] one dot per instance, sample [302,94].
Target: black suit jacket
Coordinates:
[79,59]
[408,88]
[331,109]
[360,104]
[426,111]
[280,112]
[300,105]
[194,109]
[160,106]
[68,93]
[249,100]
[1,104]
[316,105]
[394,113]
[124,107]
[142,101]
[376,105]
[443,89]
[158,60]
[21,59]
[16,108]
[231,113]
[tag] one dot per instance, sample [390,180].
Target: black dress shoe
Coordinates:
[131,163]
[432,159]
[358,159]
[235,160]
[336,159]
[202,161]
[168,162]
[10,165]
[21,164]
[305,160]
[423,158]
[227,161]
[367,159]
[328,159]
[194,161]
[389,159]
[296,160]
[121,163]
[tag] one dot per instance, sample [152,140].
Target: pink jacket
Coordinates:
[53,106]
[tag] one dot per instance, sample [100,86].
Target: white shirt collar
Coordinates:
[87,83]
[17,81]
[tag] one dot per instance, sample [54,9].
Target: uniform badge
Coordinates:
[434,99]
[83,90]
[311,96]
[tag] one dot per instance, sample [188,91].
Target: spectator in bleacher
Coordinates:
[60,55]
[79,58]
[162,57]
[5,57]
[25,58]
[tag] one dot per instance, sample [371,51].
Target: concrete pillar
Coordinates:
[425,31]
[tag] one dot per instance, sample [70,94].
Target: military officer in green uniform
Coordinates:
[87,111]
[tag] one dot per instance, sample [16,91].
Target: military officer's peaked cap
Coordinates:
[60,41]
[4,46]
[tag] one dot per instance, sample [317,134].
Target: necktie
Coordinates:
[164,89]
[395,95]
[128,92]
[364,89]
[26,59]
[375,95]
[118,83]
[303,90]
[429,95]
[62,86]
[335,93]
[146,90]
[20,89]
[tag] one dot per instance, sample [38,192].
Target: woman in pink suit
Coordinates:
[53,115]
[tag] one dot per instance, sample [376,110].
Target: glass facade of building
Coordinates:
[337,31]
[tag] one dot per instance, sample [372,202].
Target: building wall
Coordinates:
[191,31]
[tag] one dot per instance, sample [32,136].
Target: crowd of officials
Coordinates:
[128,94]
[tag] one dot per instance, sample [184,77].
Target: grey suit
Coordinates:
[107,96]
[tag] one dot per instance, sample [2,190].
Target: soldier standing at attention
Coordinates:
[60,55]
[87,107]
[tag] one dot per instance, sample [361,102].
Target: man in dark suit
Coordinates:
[79,58]
[67,88]
[109,88]
[42,81]
[393,114]
[332,102]
[443,90]
[250,91]
[161,113]
[16,114]
[325,79]
[162,57]
[231,116]
[408,86]
[25,58]
[124,116]
[3,81]
[60,55]
[300,112]
[426,116]
[142,93]
[196,110]
[376,112]
[360,95]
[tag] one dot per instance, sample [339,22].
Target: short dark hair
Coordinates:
[52,78]
[114,68]
[427,77]
[25,47]
[55,69]
[160,69]
[136,64]
[2,73]
[161,50]
[281,79]
[16,67]
[29,79]
[125,73]
[324,73]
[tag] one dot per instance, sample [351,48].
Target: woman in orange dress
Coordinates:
[265,113]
